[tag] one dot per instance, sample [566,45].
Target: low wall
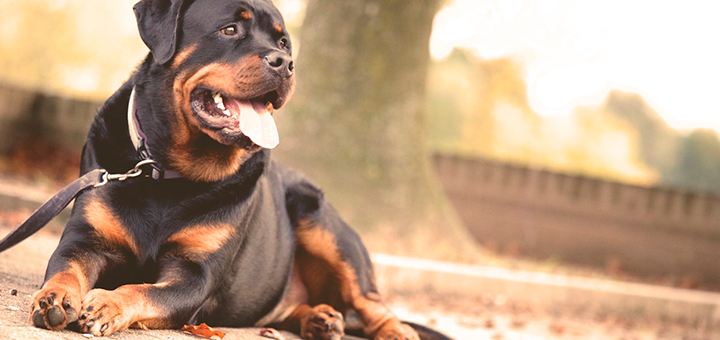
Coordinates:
[653,231]
[28,114]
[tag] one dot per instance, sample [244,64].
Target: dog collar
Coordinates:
[138,137]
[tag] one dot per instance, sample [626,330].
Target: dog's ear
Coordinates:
[158,22]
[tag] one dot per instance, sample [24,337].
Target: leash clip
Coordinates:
[134,172]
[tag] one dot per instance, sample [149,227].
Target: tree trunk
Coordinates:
[356,123]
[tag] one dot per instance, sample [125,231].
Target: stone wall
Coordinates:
[656,231]
[28,114]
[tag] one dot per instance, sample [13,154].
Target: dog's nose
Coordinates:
[280,62]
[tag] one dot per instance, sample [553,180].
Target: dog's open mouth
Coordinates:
[252,117]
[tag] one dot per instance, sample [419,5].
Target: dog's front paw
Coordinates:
[322,322]
[54,306]
[395,330]
[103,313]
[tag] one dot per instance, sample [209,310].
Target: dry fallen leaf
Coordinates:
[272,334]
[203,330]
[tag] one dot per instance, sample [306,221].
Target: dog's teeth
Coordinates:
[227,112]
[219,101]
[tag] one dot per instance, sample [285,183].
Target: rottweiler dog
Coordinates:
[213,231]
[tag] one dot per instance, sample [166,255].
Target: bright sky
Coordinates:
[574,52]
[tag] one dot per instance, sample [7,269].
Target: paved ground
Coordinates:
[463,314]
[22,269]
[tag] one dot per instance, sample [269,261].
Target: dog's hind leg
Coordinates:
[335,266]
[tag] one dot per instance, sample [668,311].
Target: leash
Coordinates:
[57,203]
[93,179]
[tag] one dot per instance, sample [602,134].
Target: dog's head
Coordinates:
[231,66]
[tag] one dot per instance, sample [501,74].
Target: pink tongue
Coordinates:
[255,122]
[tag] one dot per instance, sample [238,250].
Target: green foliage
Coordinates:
[698,162]
[683,160]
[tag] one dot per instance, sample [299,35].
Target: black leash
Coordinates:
[57,203]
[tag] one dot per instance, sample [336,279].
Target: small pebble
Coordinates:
[88,335]
[489,323]
[13,308]
[13,292]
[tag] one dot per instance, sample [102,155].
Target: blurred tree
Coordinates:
[698,162]
[688,161]
[658,141]
[356,123]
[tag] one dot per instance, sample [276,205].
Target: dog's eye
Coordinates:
[283,42]
[230,30]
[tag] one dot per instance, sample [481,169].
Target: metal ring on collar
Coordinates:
[134,172]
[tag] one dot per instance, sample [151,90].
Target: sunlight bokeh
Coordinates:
[574,52]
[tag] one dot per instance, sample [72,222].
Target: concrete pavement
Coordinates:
[22,269]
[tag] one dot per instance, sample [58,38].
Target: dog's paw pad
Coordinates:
[53,307]
[55,316]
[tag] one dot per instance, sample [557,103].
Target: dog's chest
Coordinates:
[153,217]
[196,220]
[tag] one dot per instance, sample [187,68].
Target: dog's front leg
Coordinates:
[169,303]
[57,303]
[72,270]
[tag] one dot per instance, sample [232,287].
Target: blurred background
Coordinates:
[563,137]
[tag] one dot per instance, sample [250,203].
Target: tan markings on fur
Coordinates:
[278,28]
[190,152]
[107,226]
[210,164]
[150,315]
[181,56]
[73,276]
[131,301]
[246,15]
[71,280]
[181,103]
[200,241]
[320,243]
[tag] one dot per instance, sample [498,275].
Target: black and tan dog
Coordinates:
[221,234]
